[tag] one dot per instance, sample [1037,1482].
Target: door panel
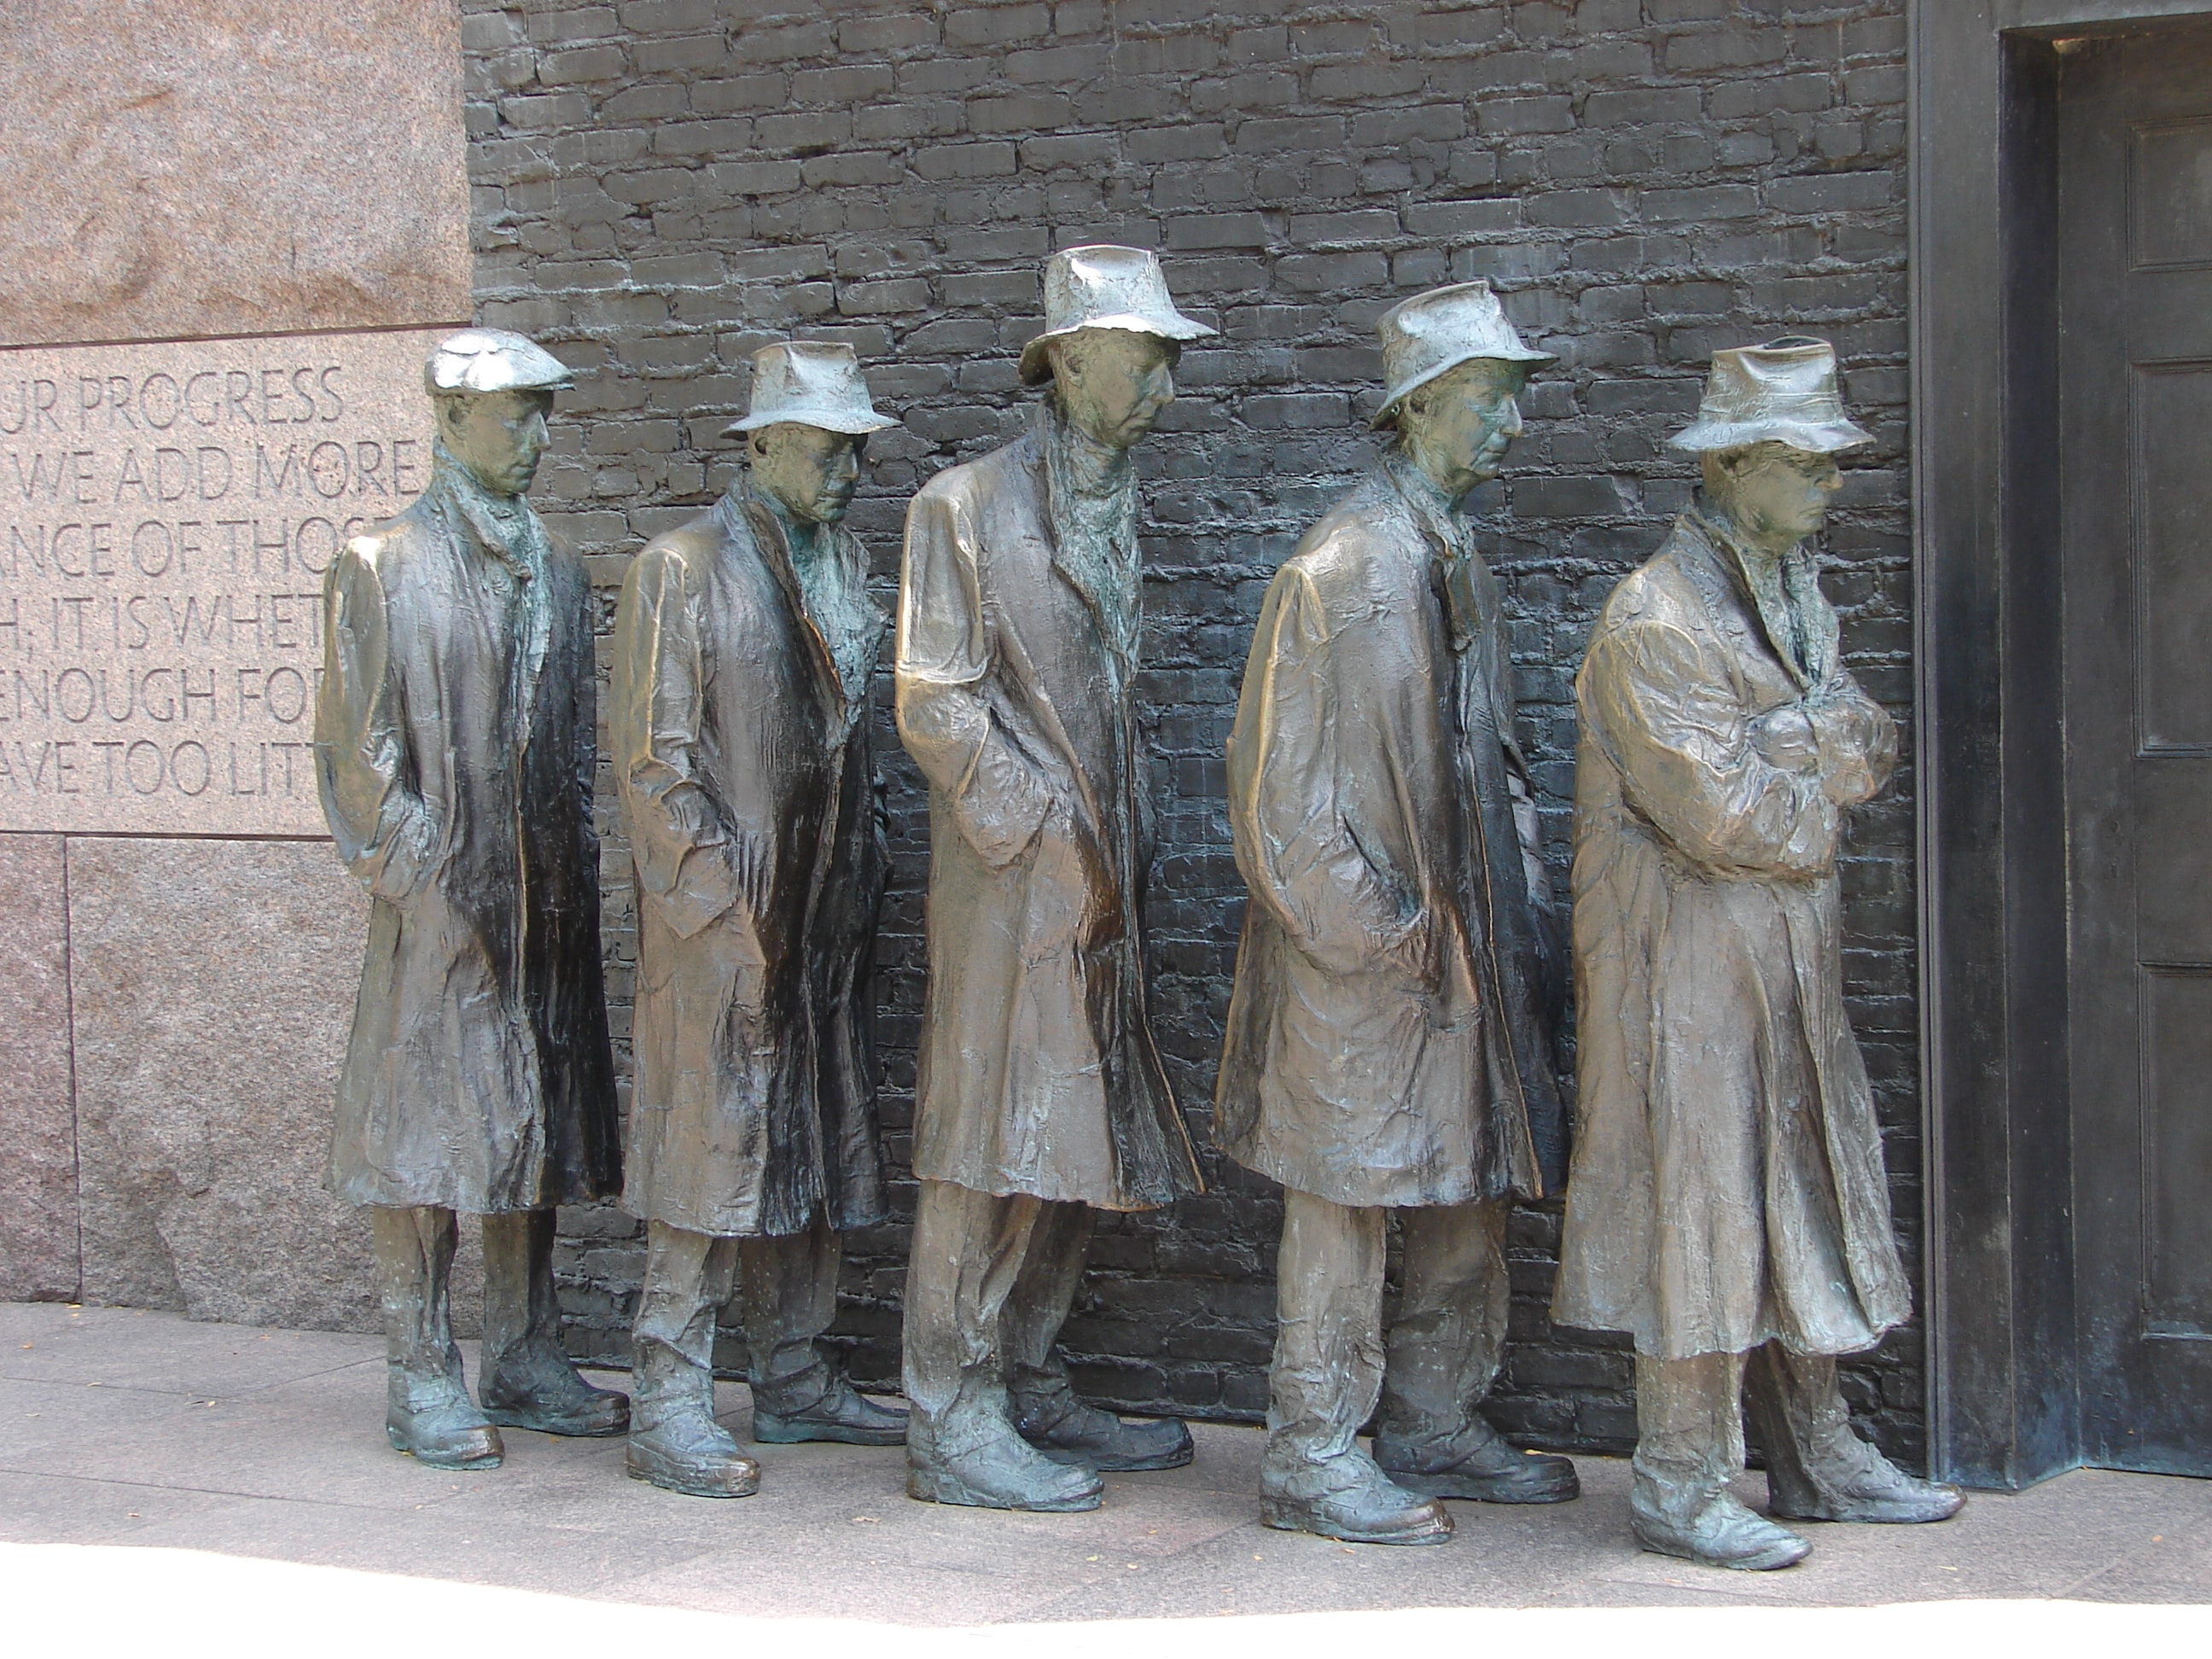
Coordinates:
[2134,216]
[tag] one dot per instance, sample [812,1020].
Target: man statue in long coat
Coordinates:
[1040,1096]
[455,743]
[1389,1044]
[1729,1202]
[745,642]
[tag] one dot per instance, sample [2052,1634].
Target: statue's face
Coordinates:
[498,435]
[1113,382]
[1458,428]
[813,472]
[1776,495]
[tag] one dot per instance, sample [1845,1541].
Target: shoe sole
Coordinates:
[568,1427]
[1773,1560]
[933,1486]
[1877,1515]
[1477,1492]
[669,1481]
[431,1462]
[1289,1517]
[785,1434]
[1078,1460]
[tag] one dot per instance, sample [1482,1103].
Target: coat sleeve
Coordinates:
[1665,707]
[385,831]
[995,794]
[1857,740]
[687,866]
[1284,810]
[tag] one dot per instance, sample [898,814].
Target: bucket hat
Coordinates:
[1102,286]
[1433,333]
[482,360]
[810,383]
[1784,391]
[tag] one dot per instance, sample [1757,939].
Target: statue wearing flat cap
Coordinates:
[745,643]
[455,742]
[1040,1096]
[1390,1035]
[1729,1207]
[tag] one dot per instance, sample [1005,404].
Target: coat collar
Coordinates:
[744,514]
[1456,568]
[1794,619]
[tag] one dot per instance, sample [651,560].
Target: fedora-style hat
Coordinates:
[493,360]
[810,383]
[1104,286]
[1784,391]
[1433,333]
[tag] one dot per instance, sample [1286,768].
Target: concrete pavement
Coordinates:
[126,1435]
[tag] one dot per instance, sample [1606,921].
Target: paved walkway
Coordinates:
[126,1436]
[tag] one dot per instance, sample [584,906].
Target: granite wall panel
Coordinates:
[662,185]
[38,1120]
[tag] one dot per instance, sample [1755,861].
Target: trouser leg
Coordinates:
[1689,1430]
[1043,1292]
[414,1268]
[688,1277]
[527,1380]
[1329,1360]
[1448,1336]
[522,1309]
[789,1298]
[967,1252]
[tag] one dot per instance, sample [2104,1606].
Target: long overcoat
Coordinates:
[455,742]
[1387,1041]
[1727,1186]
[747,786]
[1039,1072]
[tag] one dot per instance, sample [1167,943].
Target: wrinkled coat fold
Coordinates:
[1727,1185]
[1387,1043]
[454,746]
[1039,1072]
[748,787]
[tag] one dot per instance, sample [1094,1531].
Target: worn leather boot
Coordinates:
[1069,1431]
[535,1386]
[975,1457]
[1350,1499]
[841,1413]
[1818,1468]
[674,1441]
[1716,1531]
[431,1418]
[1478,1465]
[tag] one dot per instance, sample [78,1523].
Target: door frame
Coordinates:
[2004,1373]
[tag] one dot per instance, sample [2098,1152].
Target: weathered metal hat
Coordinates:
[810,383]
[1102,286]
[1784,391]
[493,360]
[1432,334]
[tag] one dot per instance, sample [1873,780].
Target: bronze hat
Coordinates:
[482,360]
[1102,286]
[1433,333]
[810,383]
[1784,391]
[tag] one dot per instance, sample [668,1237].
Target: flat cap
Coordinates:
[493,360]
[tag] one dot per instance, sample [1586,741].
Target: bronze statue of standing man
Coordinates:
[1729,1202]
[744,644]
[1389,1042]
[1041,1096]
[455,742]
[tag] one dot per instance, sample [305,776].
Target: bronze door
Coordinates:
[2135,247]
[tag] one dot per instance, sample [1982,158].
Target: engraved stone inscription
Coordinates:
[169,513]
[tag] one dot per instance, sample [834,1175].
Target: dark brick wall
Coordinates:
[661,185]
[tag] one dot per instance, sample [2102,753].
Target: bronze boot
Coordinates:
[1068,1429]
[972,1456]
[1350,1499]
[674,1441]
[841,1413]
[1479,1464]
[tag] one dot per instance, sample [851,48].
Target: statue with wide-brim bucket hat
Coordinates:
[1728,1208]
